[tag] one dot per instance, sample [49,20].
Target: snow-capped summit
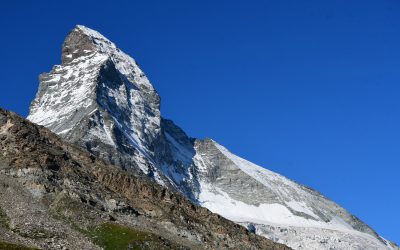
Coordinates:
[82,41]
[101,100]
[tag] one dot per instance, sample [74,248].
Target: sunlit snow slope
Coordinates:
[276,207]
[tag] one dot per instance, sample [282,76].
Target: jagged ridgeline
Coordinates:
[100,100]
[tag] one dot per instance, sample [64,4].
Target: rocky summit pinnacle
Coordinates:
[99,99]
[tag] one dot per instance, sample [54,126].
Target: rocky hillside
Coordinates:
[54,195]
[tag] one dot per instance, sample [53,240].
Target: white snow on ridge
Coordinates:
[276,221]
[306,233]
[72,93]
[221,203]
[123,62]
[262,175]
[95,34]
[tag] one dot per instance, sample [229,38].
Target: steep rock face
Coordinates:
[99,99]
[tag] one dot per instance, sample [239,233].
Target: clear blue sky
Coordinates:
[309,89]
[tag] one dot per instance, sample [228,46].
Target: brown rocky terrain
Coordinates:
[54,195]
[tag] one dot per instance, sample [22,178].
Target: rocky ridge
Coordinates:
[57,196]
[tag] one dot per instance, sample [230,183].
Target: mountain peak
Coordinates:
[99,94]
[90,32]
[82,41]
[100,99]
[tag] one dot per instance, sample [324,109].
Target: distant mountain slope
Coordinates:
[276,207]
[57,196]
[98,98]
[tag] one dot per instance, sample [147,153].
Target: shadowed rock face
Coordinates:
[99,99]
[54,193]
